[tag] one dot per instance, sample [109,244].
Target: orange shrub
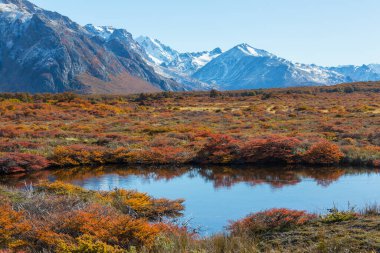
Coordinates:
[271,220]
[323,152]
[12,227]
[112,228]
[77,155]
[144,206]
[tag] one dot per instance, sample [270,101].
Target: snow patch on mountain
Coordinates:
[103,31]
[250,51]
[12,12]
[158,53]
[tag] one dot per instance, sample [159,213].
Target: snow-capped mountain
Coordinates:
[43,51]
[245,67]
[184,63]
[359,73]
[178,66]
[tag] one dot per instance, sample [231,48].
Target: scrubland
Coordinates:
[315,126]
[318,125]
[58,217]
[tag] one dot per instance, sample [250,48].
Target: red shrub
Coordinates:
[272,149]
[323,152]
[10,132]
[13,146]
[220,149]
[19,162]
[271,220]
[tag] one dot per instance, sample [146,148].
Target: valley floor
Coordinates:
[315,125]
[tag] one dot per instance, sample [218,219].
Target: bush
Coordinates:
[132,203]
[65,218]
[335,216]
[77,155]
[220,149]
[20,162]
[323,152]
[271,220]
[144,206]
[12,225]
[88,244]
[272,149]
[106,225]
[156,155]
[369,156]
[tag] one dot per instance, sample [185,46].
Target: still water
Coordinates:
[215,195]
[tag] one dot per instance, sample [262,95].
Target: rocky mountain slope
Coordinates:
[43,51]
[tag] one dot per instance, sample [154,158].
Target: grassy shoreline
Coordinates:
[57,217]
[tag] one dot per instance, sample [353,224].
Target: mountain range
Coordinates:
[44,51]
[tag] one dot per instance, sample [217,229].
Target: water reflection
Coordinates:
[219,176]
[215,195]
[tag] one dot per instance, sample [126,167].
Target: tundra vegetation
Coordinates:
[58,217]
[318,126]
[314,125]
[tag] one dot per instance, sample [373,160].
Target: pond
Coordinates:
[215,195]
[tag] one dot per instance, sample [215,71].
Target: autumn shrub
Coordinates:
[144,206]
[15,146]
[54,217]
[323,152]
[374,138]
[335,216]
[106,225]
[88,244]
[271,149]
[75,155]
[12,226]
[132,203]
[10,132]
[64,189]
[368,155]
[220,149]
[20,162]
[152,155]
[271,220]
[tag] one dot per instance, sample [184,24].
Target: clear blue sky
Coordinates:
[325,32]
